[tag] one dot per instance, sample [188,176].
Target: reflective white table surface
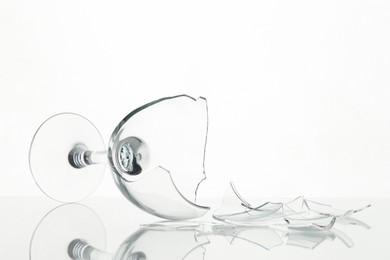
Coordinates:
[38,228]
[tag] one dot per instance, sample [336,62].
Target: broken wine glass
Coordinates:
[156,155]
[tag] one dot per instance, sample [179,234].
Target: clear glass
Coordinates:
[180,243]
[62,225]
[168,164]
[299,213]
[192,240]
[74,231]
[49,157]
[156,154]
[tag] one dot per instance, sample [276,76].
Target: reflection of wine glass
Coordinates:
[156,155]
[74,231]
[190,240]
[56,231]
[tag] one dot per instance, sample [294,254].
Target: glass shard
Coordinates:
[327,210]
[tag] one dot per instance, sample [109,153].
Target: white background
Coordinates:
[298,91]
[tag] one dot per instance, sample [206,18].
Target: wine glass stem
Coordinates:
[80,156]
[97,157]
[81,250]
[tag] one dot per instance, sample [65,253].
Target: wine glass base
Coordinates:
[49,157]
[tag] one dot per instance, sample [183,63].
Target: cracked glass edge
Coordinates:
[204,149]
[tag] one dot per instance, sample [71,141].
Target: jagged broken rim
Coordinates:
[167,139]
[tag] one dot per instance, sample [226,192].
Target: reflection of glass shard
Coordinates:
[266,237]
[308,239]
[343,237]
[299,212]
[353,221]
[190,240]
[166,137]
